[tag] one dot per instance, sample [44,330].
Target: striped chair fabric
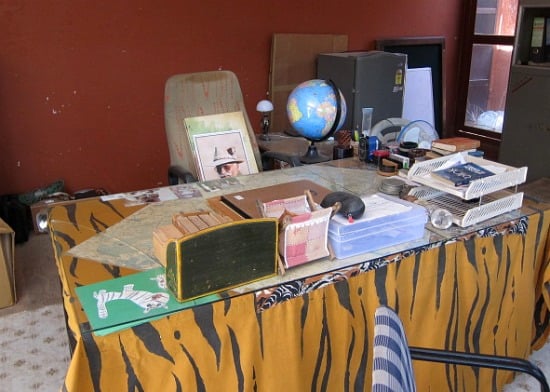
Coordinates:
[392,368]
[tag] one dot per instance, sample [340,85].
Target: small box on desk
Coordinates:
[387,221]
[7,268]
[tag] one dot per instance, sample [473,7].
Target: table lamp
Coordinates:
[265,107]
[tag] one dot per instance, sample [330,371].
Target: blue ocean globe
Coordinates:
[313,109]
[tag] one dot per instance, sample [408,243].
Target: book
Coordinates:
[462,174]
[454,144]
[440,152]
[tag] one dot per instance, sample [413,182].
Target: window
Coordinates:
[485,66]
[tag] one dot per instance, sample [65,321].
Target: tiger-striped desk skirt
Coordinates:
[484,294]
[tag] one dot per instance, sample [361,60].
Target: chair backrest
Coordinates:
[200,94]
[392,365]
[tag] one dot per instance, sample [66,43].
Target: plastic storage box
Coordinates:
[387,221]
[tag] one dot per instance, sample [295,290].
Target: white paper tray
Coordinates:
[507,176]
[469,213]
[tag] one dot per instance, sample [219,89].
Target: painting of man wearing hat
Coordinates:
[227,162]
[220,147]
[222,155]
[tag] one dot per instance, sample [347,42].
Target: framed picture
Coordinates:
[221,146]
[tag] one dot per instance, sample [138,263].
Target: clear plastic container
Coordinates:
[368,235]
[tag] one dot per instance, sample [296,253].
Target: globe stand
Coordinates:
[313,156]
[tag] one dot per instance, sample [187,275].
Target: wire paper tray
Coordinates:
[506,176]
[469,213]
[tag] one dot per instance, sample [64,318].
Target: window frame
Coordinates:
[469,39]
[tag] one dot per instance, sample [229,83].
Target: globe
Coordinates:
[312,109]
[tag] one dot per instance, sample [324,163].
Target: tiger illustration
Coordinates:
[161,281]
[144,299]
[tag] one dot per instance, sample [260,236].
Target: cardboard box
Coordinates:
[7,267]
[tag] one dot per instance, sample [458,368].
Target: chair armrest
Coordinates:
[481,360]
[177,173]
[269,156]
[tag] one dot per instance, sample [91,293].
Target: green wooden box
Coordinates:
[222,257]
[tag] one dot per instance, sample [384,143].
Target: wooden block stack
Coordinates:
[184,224]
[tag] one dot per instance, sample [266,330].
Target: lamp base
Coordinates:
[265,137]
[313,156]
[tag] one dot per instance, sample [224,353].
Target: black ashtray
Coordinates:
[405,147]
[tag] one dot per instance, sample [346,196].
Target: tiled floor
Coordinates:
[34,351]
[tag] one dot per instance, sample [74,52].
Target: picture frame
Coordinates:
[215,139]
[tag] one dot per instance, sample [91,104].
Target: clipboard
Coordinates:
[245,203]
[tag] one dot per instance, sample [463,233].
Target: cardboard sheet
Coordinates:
[294,60]
[7,267]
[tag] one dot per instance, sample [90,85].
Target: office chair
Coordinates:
[392,365]
[201,94]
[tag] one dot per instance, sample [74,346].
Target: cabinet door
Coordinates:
[526,130]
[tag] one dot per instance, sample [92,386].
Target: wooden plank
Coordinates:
[294,60]
[199,222]
[161,237]
[184,224]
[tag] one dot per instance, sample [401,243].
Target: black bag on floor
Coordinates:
[17,215]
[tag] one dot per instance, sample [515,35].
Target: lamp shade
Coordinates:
[264,106]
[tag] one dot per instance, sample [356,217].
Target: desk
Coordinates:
[480,289]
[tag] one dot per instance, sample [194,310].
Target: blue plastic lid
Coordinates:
[476,153]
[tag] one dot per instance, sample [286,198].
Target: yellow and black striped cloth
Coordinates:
[484,293]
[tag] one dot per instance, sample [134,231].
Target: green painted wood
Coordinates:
[222,257]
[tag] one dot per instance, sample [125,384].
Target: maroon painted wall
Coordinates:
[81,82]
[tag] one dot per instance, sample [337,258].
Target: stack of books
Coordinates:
[454,144]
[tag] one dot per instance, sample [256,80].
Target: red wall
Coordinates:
[81,82]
